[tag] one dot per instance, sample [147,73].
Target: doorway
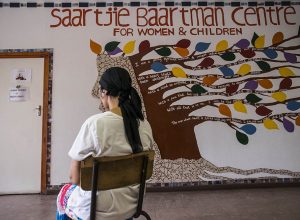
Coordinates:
[24,122]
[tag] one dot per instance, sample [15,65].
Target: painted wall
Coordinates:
[221,153]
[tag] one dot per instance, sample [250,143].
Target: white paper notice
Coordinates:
[18,94]
[21,75]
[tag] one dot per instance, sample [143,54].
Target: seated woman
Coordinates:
[119,131]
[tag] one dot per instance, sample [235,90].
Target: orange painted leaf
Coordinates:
[297,121]
[95,47]
[225,110]
[277,38]
[265,83]
[209,80]
[183,52]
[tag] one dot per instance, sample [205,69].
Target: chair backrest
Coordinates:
[116,172]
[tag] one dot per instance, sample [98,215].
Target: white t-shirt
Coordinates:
[104,135]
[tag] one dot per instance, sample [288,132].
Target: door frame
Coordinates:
[46,55]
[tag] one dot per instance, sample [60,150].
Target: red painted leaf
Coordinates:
[184,43]
[247,53]
[232,89]
[263,111]
[144,46]
[286,83]
[206,62]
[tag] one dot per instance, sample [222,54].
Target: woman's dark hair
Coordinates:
[117,82]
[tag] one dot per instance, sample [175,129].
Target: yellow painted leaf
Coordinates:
[183,52]
[260,42]
[244,69]
[270,124]
[129,47]
[178,72]
[239,107]
[286,72]
[209,80]
[265,83]
[96,48]
[297,121]
[277,38]
[225,110]
[279,96]
[222,45]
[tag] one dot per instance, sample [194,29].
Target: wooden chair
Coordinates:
[104,173]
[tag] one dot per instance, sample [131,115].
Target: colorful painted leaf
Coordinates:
[260,42]
[209,80]
[183,52]
[198,89]
[114,52]
[244,69]
[243,43]
[158,67]
[252,85]
[239,106]
[227,72]
[252,98]
[184,43]
[232,88]
[254,37]
[263,111]
[222,45]
[164,51]
[293,105]
[265,83]
[270,124]
[288,125]
[242,138]
[178,72]
[248,129]
[144,46]
[277,38]
[297,121]
[129,47]
[225,110]
[264,66]
[291,58]
[229,56]
[272,54]
[286,72]
[206,62]
[247,53]
[286,83]
[279,96]
[201,46]
[95,47]
[111,46]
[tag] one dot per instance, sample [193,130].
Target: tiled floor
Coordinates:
[241,204]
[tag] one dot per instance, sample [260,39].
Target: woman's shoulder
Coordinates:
[100,117]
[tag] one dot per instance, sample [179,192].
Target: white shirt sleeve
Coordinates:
[86,142]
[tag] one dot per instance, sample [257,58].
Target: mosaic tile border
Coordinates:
[49,122]
[149,3]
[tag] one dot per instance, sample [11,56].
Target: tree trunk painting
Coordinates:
[249,84]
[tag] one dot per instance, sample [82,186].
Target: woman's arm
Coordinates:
[75,172]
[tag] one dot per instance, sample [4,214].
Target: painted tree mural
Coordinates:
[253,82]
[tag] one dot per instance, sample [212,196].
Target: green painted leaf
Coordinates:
[264,66]
[198,89]
[242,138]
[111,46]
[255,36]
[252,98]
[164,51]
[228,56]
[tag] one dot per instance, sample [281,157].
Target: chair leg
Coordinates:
[145,214]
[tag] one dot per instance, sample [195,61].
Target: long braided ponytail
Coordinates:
[117,82]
